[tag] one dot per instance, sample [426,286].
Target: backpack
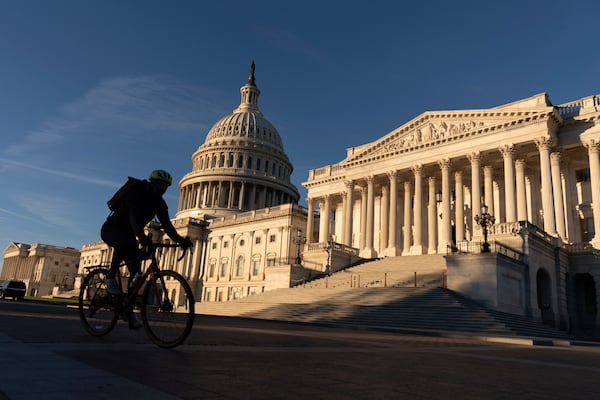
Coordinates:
[115,202]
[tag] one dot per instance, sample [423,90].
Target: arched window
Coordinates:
[249,162]
[240,163]
[258,164]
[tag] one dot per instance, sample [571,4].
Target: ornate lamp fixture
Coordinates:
[485,220]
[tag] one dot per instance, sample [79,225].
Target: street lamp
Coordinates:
[298,241]
[485,220]
[329,248]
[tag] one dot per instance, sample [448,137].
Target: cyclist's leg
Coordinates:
[124,244]
[168,308]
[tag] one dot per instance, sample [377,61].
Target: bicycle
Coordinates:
[166,304]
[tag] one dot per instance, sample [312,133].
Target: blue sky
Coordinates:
[94,91]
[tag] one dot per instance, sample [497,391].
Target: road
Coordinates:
[233,358]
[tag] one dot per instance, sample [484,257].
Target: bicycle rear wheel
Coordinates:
[97,308]
[167,308]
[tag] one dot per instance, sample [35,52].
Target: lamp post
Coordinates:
[299,240]
[485,220]
[329,248]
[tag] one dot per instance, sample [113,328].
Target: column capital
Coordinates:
[431,180]
[507,150]
[417,169]
[369,178]
[474,157]
[444,164]
[349,184]
[520,163]
[458,174]
[543,143]
[310,200]
[555,156]
[592,145]
[392,174]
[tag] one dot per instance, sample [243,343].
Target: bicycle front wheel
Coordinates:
[167,308]
[97,308]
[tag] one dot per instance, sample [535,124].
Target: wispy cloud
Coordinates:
[77,177]
[125,104]
[50,209]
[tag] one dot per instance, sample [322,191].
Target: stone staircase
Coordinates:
[397,305]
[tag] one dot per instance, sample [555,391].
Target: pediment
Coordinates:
[434,128]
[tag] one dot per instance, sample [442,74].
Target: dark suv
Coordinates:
[14,289]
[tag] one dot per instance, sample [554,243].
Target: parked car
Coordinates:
[14,289]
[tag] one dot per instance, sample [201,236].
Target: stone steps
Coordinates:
[425,307]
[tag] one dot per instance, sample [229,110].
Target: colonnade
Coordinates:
[239,195]
[514,189]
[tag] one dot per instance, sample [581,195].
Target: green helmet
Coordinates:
[162,175]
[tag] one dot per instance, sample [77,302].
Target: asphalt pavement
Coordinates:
[46,354]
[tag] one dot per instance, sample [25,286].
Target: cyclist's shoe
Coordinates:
[112,287]
[134,322]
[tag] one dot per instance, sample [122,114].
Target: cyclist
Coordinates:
[138,206]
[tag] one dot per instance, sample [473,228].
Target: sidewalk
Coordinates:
[29,373]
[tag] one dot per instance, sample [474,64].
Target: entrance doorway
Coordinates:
[544,296]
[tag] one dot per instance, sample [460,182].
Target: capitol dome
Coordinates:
[241,166]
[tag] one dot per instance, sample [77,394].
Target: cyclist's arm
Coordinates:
[163,216]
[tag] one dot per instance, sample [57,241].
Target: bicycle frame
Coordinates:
[148,253]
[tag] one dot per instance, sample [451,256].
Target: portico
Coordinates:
[417,189]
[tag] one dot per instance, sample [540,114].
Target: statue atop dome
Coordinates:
[251,76]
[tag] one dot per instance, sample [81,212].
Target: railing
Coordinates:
[575,108]
[347,279]
[476,246]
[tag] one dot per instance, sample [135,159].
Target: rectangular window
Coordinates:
[257,240]
[272,238]
[223,269]
[214,246]
[211,270]
[255,267]
[270,262]
[225,244]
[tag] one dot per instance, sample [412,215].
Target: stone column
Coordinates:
[325,219]
[459,207]
[417,247]
[392,245]
[241,196]
[407,219]
[432,218]
[475,159]
[369,252]
[385,221]
[544,145]
[488,183]
[363,218]
[349,209]
[310,220]
[594,160]
[509,182]
[559,208]
[521,193]
[446,228]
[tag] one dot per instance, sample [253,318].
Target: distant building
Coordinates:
[44,268]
